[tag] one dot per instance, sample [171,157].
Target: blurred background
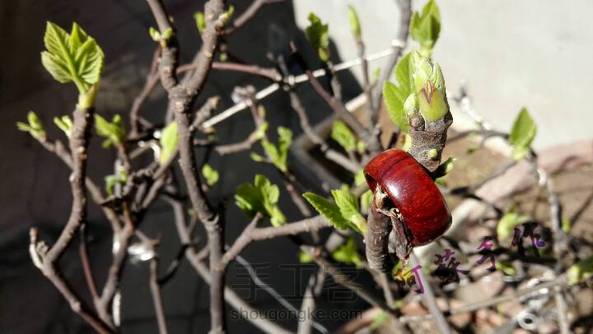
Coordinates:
[507,53]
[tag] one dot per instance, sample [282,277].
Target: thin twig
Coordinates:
[247,15]
[430,301]
[86,264]
[155,290]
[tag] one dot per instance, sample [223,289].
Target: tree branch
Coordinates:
[46,259]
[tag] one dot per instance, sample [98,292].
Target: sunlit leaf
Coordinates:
[328,209]
[262,196]
[318,35]
[72,57]
[210,174]
[169,140]
[113,132]
[580,271]
[354,22]
[342,134]
[348,253]
[522,134]
[425,26]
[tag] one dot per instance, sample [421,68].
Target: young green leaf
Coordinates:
[365,200]
[228,14]
[167,34]
[74,57]
[426,26]
[113,132]
[328,209]
[278,155]
[359,178]
[522,134]
[506,267]
[444,168]
[379,319]
[305,257]
[168,141]
[566,225]
[395,106]
[342,134]
[348,206]
[318,35]
[580,271]
[354,23]
[200,20]
[33,126]
[112,180]
[395,95]
[210,174]
[64,123]
[154,34]
[348,253]
[506,225]
[262,196]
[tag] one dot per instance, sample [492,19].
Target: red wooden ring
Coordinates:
[413,193]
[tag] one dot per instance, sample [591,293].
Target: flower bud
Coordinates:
[430,88]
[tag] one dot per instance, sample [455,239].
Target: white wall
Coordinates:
[509,53]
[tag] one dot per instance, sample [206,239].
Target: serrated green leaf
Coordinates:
[403,75]
[54,65]
[33,126]
[342,134]
[522,134]
[425,27]
[72,57]
[354,22]
[348,206]
[395,95]
[113,132]
[200,20]
[348,253]
[169,140]
[506,225]
[318,35]
[210,174]
[580,271]
[262,196]
[328,209]
[395,106]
